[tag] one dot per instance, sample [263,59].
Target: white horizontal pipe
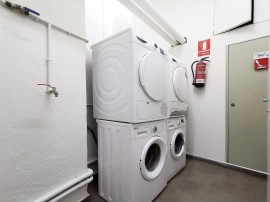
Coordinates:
[134,8]
[63,30]
[74,188]
[66,186]
[148,7]
[39,19]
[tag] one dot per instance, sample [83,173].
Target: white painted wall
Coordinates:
[192,18]
[207,115]
[195,19]
[206,129]
[42,138]
[68,14]
[261,10]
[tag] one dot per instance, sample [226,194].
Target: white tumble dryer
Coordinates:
[176,143]
[130,79]
[131,163]
[178,89]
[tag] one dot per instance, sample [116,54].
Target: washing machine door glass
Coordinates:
[180,83]
[153,158]
[177,145]
[153,76]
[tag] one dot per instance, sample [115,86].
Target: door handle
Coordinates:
[266,100]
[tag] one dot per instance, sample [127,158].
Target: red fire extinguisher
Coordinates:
[200,73]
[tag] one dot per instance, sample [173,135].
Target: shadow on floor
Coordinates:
[204,182]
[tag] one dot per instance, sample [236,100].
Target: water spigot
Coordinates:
[52,91]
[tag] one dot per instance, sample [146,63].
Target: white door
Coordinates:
[180,83]
[153,73]
[153,158]
[177,144]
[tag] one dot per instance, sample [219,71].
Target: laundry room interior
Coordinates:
[135,101]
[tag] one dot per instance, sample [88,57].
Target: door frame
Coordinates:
[227,98]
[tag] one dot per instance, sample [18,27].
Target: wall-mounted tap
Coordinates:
[52,91]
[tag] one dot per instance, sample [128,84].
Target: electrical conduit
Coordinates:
[67,188]
[69,191]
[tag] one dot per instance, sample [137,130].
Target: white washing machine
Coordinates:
[131,160]
[176,143]
[178,89]
[130,79]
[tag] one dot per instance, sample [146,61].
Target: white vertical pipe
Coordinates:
[148,7]
[70,191]
[49,59]
[134,8]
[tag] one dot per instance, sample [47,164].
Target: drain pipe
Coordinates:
[69,191]
[136,10]
[68,187]
[49,61]
[149,8]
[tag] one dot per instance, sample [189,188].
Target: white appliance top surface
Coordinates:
[114,35]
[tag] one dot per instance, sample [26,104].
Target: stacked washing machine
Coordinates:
[133,101]
[176,124]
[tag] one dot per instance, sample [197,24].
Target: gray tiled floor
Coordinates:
[204,182]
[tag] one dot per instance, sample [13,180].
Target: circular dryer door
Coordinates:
[177,144]
[153,76]
[153,158]
[180,83]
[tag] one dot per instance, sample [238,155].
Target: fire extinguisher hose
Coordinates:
[193,70]
[205,59]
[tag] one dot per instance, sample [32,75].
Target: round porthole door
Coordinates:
[153,76]
[153,158]
[180,84]
[177,145]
